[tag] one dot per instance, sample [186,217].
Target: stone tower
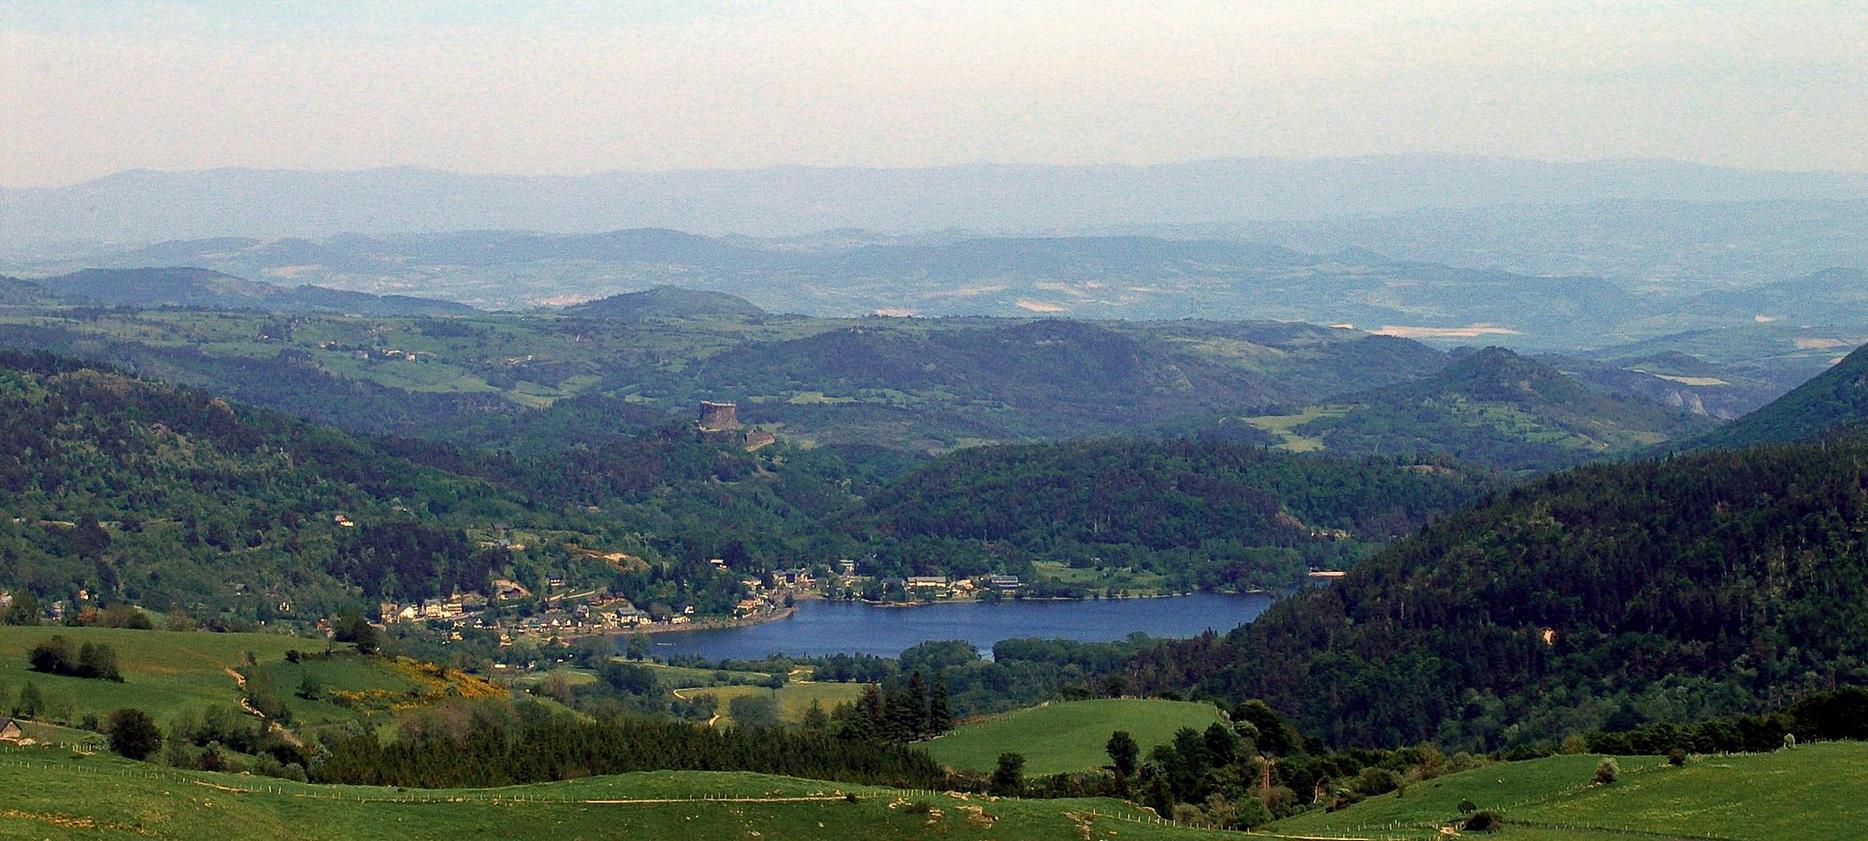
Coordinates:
[718,417]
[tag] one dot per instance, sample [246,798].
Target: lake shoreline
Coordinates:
[819,628]
[1044,599]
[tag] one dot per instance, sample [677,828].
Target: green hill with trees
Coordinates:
[1603,597]
[1492,407]
[1067,736]
[183,503]
[1207,515]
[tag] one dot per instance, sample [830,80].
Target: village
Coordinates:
[564,610]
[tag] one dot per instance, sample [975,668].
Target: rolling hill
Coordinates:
[58,794]
[964,381]
[1815,791]
[1491,407]
[1062,737]
[670,302]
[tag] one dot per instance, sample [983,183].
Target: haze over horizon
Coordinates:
[575,88]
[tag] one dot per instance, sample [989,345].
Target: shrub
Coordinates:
[919,807]
[1486,821]
[1676,757]
[1608,771]
[1373,781]
[133,733]
[1187,814]
[1251,814]
[56,656]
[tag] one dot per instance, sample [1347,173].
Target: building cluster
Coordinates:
[772,594]
[942,587]
[367,353]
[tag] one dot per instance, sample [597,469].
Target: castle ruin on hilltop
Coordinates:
[719,423]
[719,417]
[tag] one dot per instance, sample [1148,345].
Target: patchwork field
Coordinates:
[1818,791]
[53,794]
[1070,736]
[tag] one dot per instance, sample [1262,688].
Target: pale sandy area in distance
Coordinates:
[1470,331]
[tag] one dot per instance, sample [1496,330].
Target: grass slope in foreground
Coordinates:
[1815,791]
[164,671]
[167,672]
[53,795]
[1060,737]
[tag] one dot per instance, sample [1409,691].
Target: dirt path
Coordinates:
[245,703]
[701,690]
[71,821]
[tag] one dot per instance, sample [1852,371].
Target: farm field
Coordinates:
[1069,736]
[1817,791]
[52,794]
[793,698]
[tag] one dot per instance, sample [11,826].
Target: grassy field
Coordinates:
[793,698]
[164,671]
[1285,427]
[1124,581]
[1060,737]
[1817,791]
[52,794]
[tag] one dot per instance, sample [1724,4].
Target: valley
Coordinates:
[883,421]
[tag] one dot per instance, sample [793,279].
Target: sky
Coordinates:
[92,88]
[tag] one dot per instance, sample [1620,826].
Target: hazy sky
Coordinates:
[89,88]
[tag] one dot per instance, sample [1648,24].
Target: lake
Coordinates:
[827,627]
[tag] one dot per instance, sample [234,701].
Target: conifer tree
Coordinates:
[940,714]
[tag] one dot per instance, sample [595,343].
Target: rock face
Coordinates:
[718,417]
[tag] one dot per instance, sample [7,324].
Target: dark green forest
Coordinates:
[1206,515]
[1602,597]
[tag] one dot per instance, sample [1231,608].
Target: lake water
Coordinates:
[826,627]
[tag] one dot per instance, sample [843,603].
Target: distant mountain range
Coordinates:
[208,289]
[143,206]
[853,273]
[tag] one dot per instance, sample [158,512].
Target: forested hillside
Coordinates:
[1596,598]
[985,380]
[175,499]
[1493,407]
[1203,514]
